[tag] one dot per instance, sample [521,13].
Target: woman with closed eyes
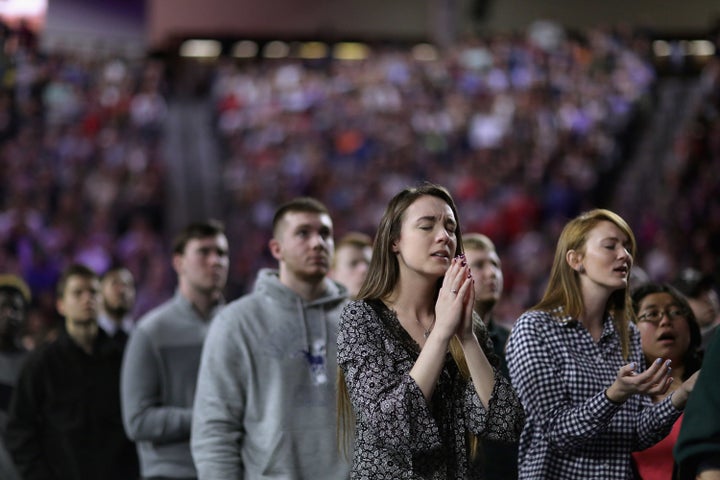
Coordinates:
[418,381]
[576,362]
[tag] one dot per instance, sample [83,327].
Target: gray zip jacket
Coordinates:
[265,399]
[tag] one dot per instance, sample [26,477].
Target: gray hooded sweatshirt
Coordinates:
[265,399]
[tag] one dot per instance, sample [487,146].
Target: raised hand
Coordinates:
[654,381]
[680,396]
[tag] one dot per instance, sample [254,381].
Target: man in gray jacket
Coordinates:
[265,401]
[162,356]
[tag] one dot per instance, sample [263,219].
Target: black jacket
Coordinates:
[65,420]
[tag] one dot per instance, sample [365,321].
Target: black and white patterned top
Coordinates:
[398,435]
[573,430]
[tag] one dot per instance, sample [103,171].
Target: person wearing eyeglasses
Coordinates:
[669,330]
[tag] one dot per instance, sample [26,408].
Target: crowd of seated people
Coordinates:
[524,131]
[82,173]
[691,235]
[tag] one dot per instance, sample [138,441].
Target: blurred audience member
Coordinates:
[82,137]
[487,271]
[700,291]
[65,412]
[7,467]
[117,287]
[351,260]
[697,450]
[668,330]
[162,356]
[14,302]
[498,460]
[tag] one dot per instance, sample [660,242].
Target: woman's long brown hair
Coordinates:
[383,275]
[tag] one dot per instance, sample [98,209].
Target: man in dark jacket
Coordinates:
[64,420]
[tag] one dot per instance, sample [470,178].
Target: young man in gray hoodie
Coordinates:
[265,400]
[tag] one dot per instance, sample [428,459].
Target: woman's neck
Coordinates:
[594,308]
[409,300]
[414,307]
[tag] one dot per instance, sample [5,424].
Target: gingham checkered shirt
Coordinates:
[572,430]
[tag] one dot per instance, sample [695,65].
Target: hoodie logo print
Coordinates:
[316,362]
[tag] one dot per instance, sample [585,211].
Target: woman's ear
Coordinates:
[574,259]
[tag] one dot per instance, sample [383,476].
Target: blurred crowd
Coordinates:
[526,130]
[82,173]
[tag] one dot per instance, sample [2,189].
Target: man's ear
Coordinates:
[177,263]
[275,249]
[574,259]
[60,306]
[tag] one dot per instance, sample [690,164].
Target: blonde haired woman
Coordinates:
[576,362]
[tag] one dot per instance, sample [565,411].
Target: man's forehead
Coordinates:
[482,254]
[197,242]
[8,296]
[81,281]
[121,274]
[297,219]
[351,250]
[8,293]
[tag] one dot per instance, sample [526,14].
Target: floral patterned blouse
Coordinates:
[398,435]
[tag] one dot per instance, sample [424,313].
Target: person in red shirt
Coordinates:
[668,329]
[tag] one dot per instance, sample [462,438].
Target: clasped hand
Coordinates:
[454,306]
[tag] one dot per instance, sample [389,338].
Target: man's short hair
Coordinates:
[14,284]
[300,204]
[208,228]
[357,240]
[477,241]
[113,269]
[354,239]
[74,270]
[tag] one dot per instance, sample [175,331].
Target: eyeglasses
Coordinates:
[654,316]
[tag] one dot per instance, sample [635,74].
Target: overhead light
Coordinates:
[350,51]
[661,48]
[424,52]
[200,48]
[23,8]
[245,49]
[702,48]
[276,49]
[313,50]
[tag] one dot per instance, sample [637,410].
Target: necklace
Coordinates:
[426,330]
